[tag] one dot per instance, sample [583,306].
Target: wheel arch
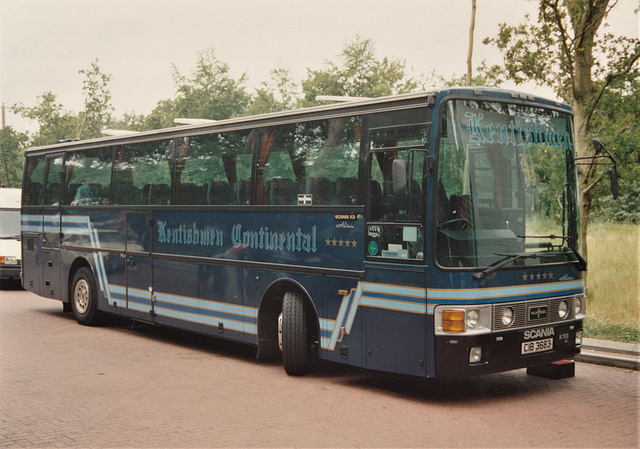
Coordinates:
[269,309]
[78,263]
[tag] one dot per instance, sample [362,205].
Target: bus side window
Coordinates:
[52,187]
[87,174]
[330,150]
[32,192]
[138,165]
[209,166]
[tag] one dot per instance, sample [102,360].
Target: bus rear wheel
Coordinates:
[84,297]
[294,335]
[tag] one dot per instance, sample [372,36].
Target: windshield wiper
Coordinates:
[502,262]
[582,264]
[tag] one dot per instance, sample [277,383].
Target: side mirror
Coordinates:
[613,176]
[613,172]
[399,174]
[599,146]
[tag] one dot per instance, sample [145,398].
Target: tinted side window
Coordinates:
[312,163]
[52,184]
[88,177]
[137,168]
[32,185]
[209,167]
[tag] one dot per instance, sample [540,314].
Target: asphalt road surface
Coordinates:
[133,385]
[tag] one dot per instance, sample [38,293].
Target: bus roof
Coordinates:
[358,105]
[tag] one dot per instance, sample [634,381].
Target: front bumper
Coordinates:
[501,351]
[9,272]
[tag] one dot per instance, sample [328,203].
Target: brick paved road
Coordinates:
[65,385]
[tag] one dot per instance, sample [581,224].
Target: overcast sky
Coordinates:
[44,43]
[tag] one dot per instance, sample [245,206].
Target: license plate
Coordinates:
[531,347]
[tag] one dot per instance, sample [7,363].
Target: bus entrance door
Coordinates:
[51,227]
[394,294]
[139,279]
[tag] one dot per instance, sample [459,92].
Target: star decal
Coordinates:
[341,243]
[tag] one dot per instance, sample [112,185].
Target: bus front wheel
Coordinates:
[84,297]
[293,335]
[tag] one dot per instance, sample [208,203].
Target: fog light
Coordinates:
[453,320]
[507,316]
[578,338]
[475,354]
[563,310]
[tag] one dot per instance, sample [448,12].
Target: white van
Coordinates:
[10,247]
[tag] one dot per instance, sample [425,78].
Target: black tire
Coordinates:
[84,297]
[295,336]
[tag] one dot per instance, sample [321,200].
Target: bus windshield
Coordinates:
[10,224]
[506,186]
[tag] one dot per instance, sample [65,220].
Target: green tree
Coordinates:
[359,73]
[97,103]
[161,117]
[210,92]
[280,94]
[54,122]
[485,75]
[11,147]
[130,121]
[617,122]
[563,50]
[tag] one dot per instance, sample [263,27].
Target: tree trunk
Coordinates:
[585,19]
[581,126]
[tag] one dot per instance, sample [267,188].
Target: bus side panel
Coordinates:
[341,322]
[96,237]
[190,295]
[395,322]
[31,249]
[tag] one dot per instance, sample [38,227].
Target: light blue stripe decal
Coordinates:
[502,293]
[383,296]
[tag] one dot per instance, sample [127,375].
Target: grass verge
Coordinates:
[613,282]
[611,331]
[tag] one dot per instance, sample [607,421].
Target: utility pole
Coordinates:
[3,117]
[471,30]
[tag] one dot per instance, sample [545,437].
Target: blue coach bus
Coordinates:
[430,234]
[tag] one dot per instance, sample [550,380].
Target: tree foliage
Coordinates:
[55,123]
[359,73]
[210,92]
[97,103]
[280,94]
[617,122]
[11,147]
[564,50]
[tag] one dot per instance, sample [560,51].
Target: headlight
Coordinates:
[579,306]
[8,260]
[472,319]
[507,316]
[563,309]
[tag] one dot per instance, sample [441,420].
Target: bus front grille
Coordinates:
[532,313]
